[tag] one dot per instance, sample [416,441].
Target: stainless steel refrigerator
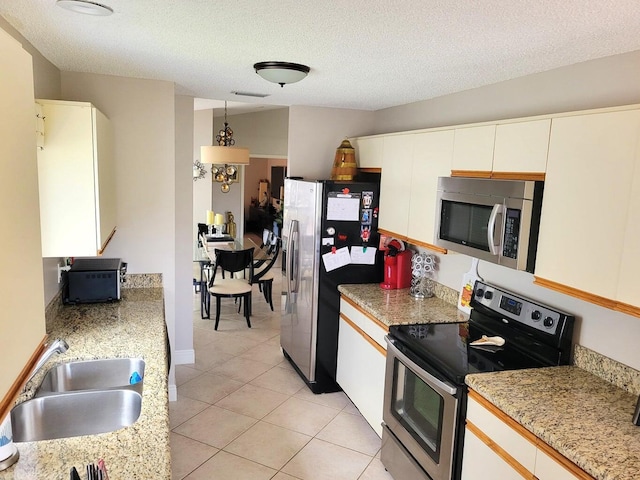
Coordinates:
[329,237]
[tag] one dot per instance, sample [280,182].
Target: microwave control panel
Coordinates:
[511,233]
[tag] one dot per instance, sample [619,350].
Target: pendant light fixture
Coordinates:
[224,156]
[281,72]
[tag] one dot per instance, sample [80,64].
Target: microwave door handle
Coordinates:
[491,234]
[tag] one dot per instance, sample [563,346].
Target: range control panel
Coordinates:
[512,307]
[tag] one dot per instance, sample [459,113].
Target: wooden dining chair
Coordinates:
[238,264]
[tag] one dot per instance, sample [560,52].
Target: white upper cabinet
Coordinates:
[473,148]
[590,207]
[628,285]
[522,146]
[395,183]
[368,151]
[76,179]
[432,155]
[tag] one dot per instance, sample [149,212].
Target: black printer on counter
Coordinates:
[94,280]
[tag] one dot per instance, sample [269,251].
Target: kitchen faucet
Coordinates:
[57,346]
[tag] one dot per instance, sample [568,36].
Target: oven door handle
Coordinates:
[438,385]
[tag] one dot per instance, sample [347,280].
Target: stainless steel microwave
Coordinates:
[493,220]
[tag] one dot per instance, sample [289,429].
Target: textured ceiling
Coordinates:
[363,54]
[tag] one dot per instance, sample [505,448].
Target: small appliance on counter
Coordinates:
[397,266]
[94,280]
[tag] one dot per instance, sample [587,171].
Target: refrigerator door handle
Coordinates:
[292,276]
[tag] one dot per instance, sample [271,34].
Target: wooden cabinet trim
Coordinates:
[554,454]
[535,176]
[418,243]
[563,461]
[498,450]
[370,340]
[628,309]
[366,314]
[370,170]
[588,297]
[413,241]
[389,233]
[523,432]
[16,388]
[471,173]
[106,242]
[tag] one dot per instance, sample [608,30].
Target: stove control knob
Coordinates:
[548,322]
[480,293]
[488,294]
[535,315]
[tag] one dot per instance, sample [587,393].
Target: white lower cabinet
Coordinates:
[480,462]
[361,363]
[495,446]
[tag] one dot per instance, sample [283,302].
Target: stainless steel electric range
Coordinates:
[425,394]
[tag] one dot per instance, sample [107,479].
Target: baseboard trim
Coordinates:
[184,357]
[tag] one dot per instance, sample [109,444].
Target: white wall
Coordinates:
[202,130]
[142,113]
[605,82]
[184,352]
[263,133]
[316,132]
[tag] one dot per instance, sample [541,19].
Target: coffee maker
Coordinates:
[397,266]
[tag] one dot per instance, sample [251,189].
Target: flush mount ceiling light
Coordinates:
[86,7]
[281,72]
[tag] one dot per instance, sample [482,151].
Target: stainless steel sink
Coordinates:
[100,374]
[73,414]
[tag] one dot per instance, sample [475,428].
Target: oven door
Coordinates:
[421,412]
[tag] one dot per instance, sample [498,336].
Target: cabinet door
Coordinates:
[395,183]
[522,147]
[22,323]
[521,449]
[369,151]
[360,373]
[66,178]
[628,286]
[549,469]
[431,159]
[586,199]
[473,148]
[479,462]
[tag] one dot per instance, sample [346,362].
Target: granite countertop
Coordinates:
[397,307]
[132,327]
[582,416]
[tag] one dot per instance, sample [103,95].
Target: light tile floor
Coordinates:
[244,413]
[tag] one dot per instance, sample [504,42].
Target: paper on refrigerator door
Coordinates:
[337,259]
[363,255]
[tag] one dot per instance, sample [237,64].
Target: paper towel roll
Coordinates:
[7,448]
[210,217]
